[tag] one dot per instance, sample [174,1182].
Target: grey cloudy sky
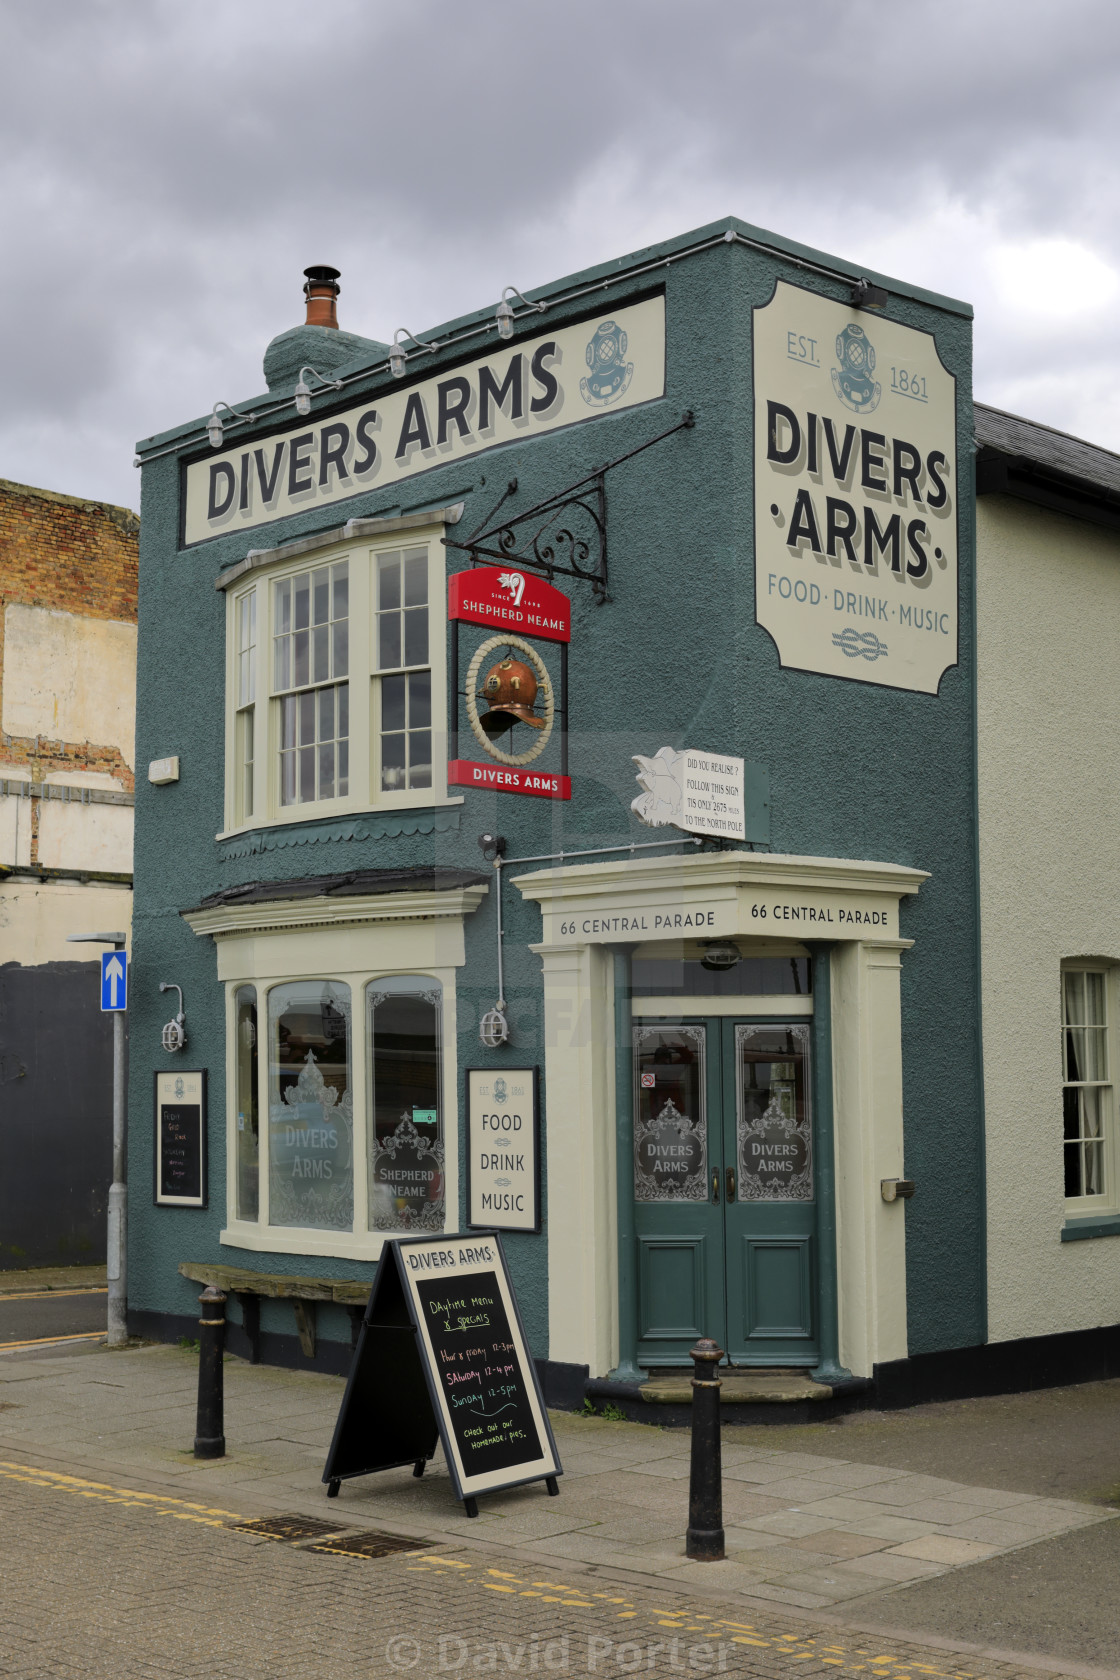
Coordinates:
[169,169]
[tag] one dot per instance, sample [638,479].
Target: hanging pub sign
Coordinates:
[180,1153]
[856,492]
[503,1149]
[508,687]
[442,1355]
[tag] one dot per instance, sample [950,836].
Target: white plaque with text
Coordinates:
[699,792]
[855,493]
[503,1154]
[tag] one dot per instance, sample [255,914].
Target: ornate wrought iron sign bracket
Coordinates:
[564,535]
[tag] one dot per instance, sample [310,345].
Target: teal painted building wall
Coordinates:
[675,657]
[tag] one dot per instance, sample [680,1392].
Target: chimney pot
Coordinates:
[321,288]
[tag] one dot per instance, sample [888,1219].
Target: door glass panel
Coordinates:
[670,1124]
[773,1129]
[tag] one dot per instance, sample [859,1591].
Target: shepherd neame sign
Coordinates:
[572,374]
[855,493]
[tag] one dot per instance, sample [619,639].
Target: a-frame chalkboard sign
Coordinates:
[442,1355]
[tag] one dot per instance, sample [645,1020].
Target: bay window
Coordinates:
[336,682]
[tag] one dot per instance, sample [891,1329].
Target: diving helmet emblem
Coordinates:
[610,372]
[510,690]
[852,380]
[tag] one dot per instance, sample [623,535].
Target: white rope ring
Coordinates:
[544,690]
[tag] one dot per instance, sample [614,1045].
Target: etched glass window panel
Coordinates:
[310,1108]
[670,1122]
[248,1103]
[406,1159]
[773,1119]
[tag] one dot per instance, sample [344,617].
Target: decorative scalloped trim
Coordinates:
[393,825]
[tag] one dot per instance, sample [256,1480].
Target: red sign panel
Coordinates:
[508,599]
[506,778]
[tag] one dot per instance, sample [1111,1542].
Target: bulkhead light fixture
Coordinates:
[174,1034]
[867,296]
[503,315]
[214,426]
[398,355]
[493,1029]
[721,955]
[303,393]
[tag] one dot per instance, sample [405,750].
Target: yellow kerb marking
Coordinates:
[741,1639]
[503,1575]
[492,1586]
[448,1563]
[159,1503]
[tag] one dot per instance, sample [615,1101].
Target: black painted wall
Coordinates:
[56,1115]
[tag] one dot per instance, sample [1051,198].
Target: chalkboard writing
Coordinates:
[477,1368]
[180,1154]
[180,1157]
[442,1318]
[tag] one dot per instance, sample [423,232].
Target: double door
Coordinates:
[723,1174]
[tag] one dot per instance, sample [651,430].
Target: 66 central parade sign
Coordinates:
[856,493]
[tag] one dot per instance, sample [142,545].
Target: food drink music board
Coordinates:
[442,1355]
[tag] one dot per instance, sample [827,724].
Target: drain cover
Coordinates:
[371,1545]
[288,1527]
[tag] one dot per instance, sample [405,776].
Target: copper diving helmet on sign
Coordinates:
[510,690]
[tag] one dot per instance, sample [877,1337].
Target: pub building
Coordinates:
[576,807]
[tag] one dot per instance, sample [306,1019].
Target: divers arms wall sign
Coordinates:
[856,492]
[571,374]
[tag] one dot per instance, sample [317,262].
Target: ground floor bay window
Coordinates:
[340,1080]
[340,1150]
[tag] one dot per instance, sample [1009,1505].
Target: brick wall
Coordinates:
[65,554]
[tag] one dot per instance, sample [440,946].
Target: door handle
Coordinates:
[715,1187]
[731,1184]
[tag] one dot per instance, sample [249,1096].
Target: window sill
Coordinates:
[1082,1229]
[322,814]
[286,1239]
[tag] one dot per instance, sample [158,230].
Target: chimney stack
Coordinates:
[321,288]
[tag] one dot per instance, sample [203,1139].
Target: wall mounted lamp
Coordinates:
[398,355]
[503,315]
[720,955]
[174,1034]
[303,394]
[867,296]
[214,424]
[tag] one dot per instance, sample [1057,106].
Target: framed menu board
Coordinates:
[503,1149]
[442,1355]
[180,1152]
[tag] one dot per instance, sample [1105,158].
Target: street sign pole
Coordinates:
[117,1246]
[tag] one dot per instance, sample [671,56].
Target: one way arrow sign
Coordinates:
[114,981]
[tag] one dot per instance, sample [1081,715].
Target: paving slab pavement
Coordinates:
[101,1581]
[811,1530]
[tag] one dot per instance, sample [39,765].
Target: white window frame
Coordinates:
[364,679]
[359,1243]
[1106,1205]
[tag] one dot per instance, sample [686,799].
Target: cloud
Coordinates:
[167,171]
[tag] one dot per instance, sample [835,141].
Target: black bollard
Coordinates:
[209,1439]
[704,1540]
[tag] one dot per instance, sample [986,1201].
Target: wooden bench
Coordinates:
[303,1292]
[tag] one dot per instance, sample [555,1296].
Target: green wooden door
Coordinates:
[723,1188]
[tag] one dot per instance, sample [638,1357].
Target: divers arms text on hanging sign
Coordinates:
[856,493]
[571,374]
